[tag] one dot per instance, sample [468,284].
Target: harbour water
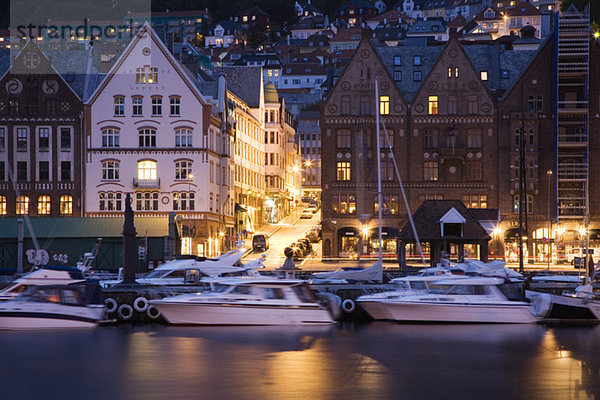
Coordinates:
[350,361]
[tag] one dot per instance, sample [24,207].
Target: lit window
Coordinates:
[147,170]
[109,201]
[449,72]
[433,105]
[343,171]
[183,170]
[66,204]
[484,75]
[2,205]
[384,105]
[146,74]
[44,204]
[430,171]
[456,72]
[22,205]
[184,201]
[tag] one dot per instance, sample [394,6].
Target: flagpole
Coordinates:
[379,196]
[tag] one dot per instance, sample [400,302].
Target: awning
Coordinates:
[348,231]
[386,232]
[239,208]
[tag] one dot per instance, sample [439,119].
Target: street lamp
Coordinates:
[189,207]
[549,173]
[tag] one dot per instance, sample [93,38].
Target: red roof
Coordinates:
[345,35]
[523,9]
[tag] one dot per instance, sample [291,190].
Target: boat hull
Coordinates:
[569,307]
[22,316]
[249,314]
[459,313]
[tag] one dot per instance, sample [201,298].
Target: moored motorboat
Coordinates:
[469,299]
[46,275]
[54,306]
[247,301]
[583,303]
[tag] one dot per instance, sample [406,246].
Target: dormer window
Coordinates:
[489,14]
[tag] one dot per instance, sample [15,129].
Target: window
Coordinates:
[156,105]
[153,75]
[343,171]
[531,169]
[430,171]
[343,204]
[65,170]
[475,200]
[452,105]
[397,60]
[530,103]
[21,138]
[516,169]
[365,105]
[43,204]
[474,138]
[517,137]
[110,170]
[147,170]
[140,75]
[529,203]
[387,171]
[449,72]
[473,106]
[484,76]
[384,105]
[386,139]
[2,171]
[119,106]
[50,106]
[138,103]
[417,60]
[2,138]
[183,137]
[175,104]
[345,105]
[21,170]
[44,138]
[344,139]
[430,138]
[398,76]
[65,138]
[417,76]
[183,201]
[109,201]
[110,137]
[146,74]
[183,170]
[433,105]
[539,103]
[32,106]
[147,137]
[474,172]
[2,205]
[22,205]
[456,72]
[531,136]
[44,172]
[14,107]
[146,201]
[66,204]
[390,205]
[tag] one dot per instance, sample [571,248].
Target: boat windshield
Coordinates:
[156,274]
[477,290]
[304,294]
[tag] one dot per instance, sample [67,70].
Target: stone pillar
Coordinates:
[483,250]
[129,247]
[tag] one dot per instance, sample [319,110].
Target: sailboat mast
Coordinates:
[379,196]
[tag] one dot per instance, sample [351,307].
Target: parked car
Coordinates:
[260,242]
[307,213]
[579,253]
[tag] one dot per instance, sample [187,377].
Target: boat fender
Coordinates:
[111,305]
[542,303]
[348,306]
[152,312]
[125,312]
[333,303]
[141,304]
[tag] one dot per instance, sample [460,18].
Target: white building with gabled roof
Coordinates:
[151,133]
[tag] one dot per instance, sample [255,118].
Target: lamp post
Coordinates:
[549,173]
[189,208]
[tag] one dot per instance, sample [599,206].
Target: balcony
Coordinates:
[146,183]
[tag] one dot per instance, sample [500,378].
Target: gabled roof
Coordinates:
[303,69]
[312,22]
[244,82]
[428,215]
[429,26]
[408,86]
[315,41]
[229,26]
[481,14]
[458,22]
[392,15]
[364,4]
[345,35]
[389,33]
[523,9]
[253,11]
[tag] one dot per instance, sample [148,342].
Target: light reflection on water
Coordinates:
[371,361]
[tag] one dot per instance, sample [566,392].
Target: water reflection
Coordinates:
[374,361]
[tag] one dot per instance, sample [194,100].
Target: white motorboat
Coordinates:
[247,301]
[47,275]
[469,299]
[581,304]
[54,306]
[191,270]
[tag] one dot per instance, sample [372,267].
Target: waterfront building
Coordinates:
[309,137]
[151,132]
[42,132]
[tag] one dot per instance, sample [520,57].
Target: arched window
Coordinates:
[2,205]
[110,201]
[66,204]
[529,203]
[43,204]
[147,170]
[146,201]
[110,170]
